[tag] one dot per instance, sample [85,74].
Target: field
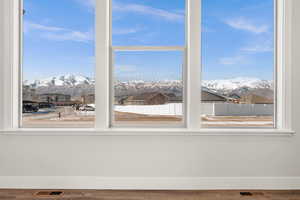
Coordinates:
[85,119]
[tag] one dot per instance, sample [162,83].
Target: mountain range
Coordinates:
[77,85]
[63,80]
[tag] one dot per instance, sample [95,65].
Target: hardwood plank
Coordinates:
[152,195]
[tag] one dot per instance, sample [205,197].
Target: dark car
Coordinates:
[30,106]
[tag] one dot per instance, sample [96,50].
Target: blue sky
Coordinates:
[237,38]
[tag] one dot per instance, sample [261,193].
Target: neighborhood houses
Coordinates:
[32,101]
[41,105]
[31,97]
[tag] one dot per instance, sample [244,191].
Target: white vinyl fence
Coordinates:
[228,109]
[165,109]
[208,109]
[211,109]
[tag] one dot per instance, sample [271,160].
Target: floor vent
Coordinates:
[245,193]
[49,193]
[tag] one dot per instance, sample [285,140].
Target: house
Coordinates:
[212,97]
[57,99]
[28,93]
[66,103]
[173,98]
[88,99]
[54,97]
[255,99]
[157,98]
[46,105]
[234,96]
[151,98]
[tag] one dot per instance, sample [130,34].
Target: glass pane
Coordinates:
[58,64]
[148,23]
[148,87]
[238,63]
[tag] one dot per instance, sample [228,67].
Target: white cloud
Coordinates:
[232,60]
[28,25]
[247,25]
[148,10]
[125,31]
[259,47]
[177,15]
[75,36]
[58,33]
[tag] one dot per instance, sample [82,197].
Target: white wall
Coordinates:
[159,156]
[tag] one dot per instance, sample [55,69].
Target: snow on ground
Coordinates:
[165,109]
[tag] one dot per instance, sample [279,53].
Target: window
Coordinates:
[186,66]
[58,64]
[148,23]
[148,92]
[238,64]
[148,63]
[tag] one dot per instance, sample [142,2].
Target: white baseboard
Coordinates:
[171,183]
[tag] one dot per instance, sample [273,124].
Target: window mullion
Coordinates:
[2,50]
[102,63]
[10,76]
[283,64]
[193,64]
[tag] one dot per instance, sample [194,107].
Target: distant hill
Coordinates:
[79,85]
[63,80]
[241,86]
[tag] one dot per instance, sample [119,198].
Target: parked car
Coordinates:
[30,108]
[87,108]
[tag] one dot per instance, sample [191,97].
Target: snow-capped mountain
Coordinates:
[64,80]
[217,85]
[135,87]
[228,85]
[77,85]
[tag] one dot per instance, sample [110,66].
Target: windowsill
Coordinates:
[148,132]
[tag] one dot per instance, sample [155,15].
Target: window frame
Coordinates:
[190,75]
[113,123]
[10,95]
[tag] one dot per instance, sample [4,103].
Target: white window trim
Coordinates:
[102,72]
[183,48]
[10,59]
[181,124]
[194,75]
[283,35]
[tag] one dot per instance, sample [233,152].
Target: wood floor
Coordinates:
[146,195]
